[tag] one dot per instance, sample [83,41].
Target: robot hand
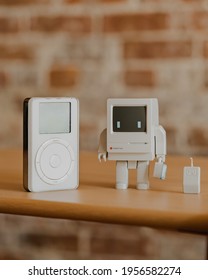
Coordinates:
[102,156]
[160,169]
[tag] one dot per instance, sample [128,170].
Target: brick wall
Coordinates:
[95,49]
[39,238]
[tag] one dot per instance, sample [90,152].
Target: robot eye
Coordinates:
[118,124]
[139,124]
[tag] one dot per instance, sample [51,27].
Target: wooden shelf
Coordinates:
[164,205]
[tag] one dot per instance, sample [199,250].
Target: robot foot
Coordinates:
[121,186]
[142,186]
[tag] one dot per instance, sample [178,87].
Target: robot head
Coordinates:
[130,124]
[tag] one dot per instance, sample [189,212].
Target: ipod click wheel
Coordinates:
[50,144]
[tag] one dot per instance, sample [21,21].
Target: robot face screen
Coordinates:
[129,119]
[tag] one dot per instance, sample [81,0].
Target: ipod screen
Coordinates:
[54,118]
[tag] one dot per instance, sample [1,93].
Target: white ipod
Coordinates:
[51,144]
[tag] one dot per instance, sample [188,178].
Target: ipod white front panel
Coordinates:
[53,144]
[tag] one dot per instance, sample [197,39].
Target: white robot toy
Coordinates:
[134,137]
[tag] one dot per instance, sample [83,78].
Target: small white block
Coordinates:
[191,179]
[160,170]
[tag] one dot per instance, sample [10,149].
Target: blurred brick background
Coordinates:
[95,49]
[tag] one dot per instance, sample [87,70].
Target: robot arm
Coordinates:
[160,143]
[102,149]
[160,152]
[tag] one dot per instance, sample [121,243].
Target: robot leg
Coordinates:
[121,175]
[143,175]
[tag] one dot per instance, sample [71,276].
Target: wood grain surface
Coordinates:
[164,205]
